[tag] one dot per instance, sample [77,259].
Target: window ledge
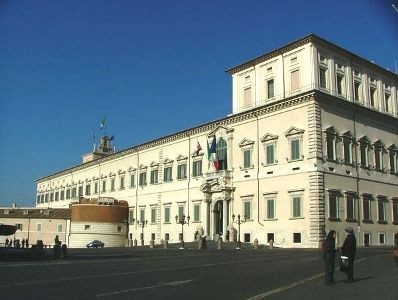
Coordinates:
[367,221]
[295,160]
[296,218]
[334,219]
[270,220]
[382,222]
[351,220]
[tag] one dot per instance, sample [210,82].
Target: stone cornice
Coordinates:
[201,129]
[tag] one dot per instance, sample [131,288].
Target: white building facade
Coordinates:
[311,145]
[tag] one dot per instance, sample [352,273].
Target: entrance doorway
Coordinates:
[218,218]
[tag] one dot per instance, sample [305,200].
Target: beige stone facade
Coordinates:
[311,145]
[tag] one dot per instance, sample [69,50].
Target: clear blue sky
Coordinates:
[151,67]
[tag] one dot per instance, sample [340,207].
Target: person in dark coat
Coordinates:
[329,255]
[348,249]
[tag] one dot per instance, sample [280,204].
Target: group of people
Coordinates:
[348,250]
[16,243]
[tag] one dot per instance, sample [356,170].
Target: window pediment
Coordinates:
[121,172]
[379,144]
[143,167]
[331,130]
[364,140]
[181,157]
[246,142]
[294,131]
[220,130]
[167,161]
[154,164]
[131,169]
[268,137]
[393,147]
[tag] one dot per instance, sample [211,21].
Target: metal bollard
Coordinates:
[271,244]
[255,244]
[151,244]
[219,243]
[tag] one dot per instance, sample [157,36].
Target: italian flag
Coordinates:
[212,154]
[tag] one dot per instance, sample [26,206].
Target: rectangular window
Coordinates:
[88,189]
[247,210]
[270,237]
[363,148]
[154,176]
[112,184]
[197,168]
[19,226]
[270,89]
[387,102]
[372,96]
[296,207]
[153,215]
[121,183]
[247,97]
[62,197]
[381,210]
[59,228]
[330,145]
[351,209]
[347,151]
[270,154]
[296,237]
[333,206]
[56,196]
[131,216]
[357,90]
[96,187]
[270,209]
[81,191]
[182,171]
[180,213]
[366,209]
[393,159]
[295,80]
[247,159]
[295,149]
[132,180]
[118,229]
[86,227]
[38,227]
[322,78]
[167,214]
[196,212]
[395,212]
[142,179]
[142,215]
[68,194]
[378,157]
[340,84]
[103,186]
[382,238]
[167,176]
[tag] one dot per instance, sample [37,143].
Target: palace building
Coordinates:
[311,145]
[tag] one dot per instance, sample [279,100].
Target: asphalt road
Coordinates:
[142,273]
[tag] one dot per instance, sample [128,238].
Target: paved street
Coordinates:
[142,273]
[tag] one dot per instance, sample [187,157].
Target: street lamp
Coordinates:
[182,221]
[238,221]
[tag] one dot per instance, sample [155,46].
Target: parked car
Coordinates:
[95,244]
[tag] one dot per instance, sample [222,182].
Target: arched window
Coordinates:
[222,154]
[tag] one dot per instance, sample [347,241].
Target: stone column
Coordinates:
[224,219]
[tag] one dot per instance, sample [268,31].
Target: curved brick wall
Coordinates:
[99,213]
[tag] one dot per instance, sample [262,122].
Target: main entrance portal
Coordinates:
[218,218]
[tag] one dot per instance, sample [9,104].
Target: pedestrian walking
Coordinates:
[23,243]
[348,249]
[7,242]
[329,254]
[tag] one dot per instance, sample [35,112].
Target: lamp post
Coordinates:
[142,224]
[238,221]
[182,221]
